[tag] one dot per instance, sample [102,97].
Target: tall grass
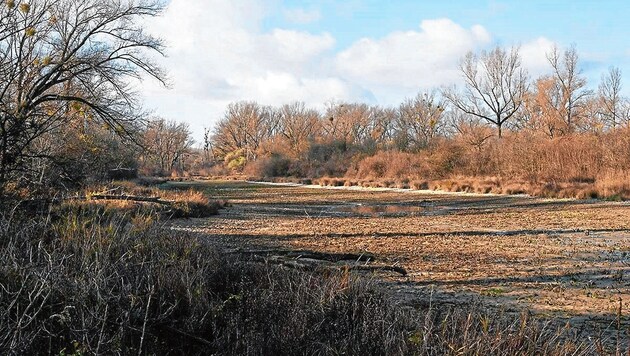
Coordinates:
[125,284]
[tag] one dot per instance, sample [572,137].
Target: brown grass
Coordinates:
[181,203]
[95,284]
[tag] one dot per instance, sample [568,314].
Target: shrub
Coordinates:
[390,164]
[273,166]
[235,161]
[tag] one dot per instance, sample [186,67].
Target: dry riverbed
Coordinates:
[565,259]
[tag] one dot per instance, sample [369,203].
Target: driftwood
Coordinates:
[301,254]
[388,268]
[313,260]
[129,197]
[311,265]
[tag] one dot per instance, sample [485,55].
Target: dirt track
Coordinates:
[557,258]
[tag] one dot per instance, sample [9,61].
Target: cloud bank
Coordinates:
[220,52]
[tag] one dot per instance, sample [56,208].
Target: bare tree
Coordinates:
[610,97]
[382,128]
[246,126]
[570,86]
[298,125]
[59,58]
[470,129]
[539,108]
[166,143]
[419,120]
[347,123]
[494,87]
[208,155]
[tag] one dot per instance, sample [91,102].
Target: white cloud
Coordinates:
[302,16]
[218,52]
[296,47]
[277,88]
[412,59]
[534,56]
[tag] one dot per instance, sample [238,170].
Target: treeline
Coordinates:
[68,116]
[501,123]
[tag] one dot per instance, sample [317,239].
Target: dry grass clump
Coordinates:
[470,332]
[330,182]
[613,185]
[101,285]
[169,203]
[94,284]
[194,204]
[420,185]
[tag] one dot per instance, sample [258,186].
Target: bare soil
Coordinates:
[564,259]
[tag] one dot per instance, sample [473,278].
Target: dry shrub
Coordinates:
[570,158]
[332,159]
[215,170]
[273,166]
[445,159]
[175,203]
[420,185]
[389,164]
[613,185]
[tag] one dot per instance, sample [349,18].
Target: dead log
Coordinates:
[129,197]
[311,264]
[301,254]
[373,268]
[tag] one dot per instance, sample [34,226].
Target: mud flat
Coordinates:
[564,259]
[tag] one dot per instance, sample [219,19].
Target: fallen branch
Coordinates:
[301,254]
[129,197]
[388,268]
[301,262]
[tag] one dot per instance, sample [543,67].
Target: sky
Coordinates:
[378,52]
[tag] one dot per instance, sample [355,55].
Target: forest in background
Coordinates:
[502,131]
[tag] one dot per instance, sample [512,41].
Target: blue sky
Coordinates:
[378,52]
[592,23]
[599,29]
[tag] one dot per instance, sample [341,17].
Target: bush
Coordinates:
[266,167]
[391,164]
[235,161]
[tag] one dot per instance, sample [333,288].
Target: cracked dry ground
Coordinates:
[565,259]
